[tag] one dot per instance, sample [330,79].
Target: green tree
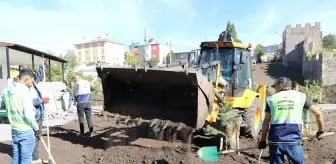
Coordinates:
[329,41]
[259,51]
[153,62]
[56,67]
[230,28]
[71,57]
[56,72]
[98,92]
[131,59]
[90,63]
[70,77]
[173,57]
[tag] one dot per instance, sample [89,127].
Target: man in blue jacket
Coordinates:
[38,102]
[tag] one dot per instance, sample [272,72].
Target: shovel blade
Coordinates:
[208,153]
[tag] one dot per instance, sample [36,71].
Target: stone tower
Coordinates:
[296,40]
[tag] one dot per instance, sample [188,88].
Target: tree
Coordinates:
[230,28]
[90,63]
[56,72]
[153,62]
[131,59]
[259,51]
[71,57]
[329,41]
[70,77]
[132,45]
[280,50]
[173,57]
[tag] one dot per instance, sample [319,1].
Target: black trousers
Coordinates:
[84,109]
[36,152]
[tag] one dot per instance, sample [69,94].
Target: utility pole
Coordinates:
[277,46]
[145,37]
[170,52]
[333,44]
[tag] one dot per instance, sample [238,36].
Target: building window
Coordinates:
[103,57]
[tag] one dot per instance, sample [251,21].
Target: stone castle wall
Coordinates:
[302,46]
[320,67]
[294,45]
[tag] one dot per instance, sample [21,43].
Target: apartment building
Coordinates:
[101,50]
[151,50]
[271,49]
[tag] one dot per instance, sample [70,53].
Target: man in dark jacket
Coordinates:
[38,102]
[82,94]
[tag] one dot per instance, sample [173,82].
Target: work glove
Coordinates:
[45,100]
[262,145]
[45,62]
[319,134]
[38,134]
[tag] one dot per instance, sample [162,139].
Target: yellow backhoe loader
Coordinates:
[213,92]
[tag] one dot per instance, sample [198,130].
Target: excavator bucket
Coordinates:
[164,94]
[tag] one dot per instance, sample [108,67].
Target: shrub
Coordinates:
[314,91]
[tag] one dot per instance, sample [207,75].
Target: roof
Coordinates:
[225,44]
[100,40]
[271,45]
[29,50]
[147,44]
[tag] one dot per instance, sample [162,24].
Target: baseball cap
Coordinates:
[283,82]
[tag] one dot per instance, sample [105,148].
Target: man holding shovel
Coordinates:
[283,120]
[38,102]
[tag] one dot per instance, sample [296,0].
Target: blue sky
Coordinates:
[57,24]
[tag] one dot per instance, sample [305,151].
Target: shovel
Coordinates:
[210,153]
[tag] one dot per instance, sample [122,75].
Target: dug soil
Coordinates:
[118,143]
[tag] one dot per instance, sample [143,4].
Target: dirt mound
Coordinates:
[330,94]
[266,73]
[119,143]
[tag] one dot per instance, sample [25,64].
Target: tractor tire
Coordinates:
[232,121]
[252,119]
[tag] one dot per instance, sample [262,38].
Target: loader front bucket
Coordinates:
[149,94]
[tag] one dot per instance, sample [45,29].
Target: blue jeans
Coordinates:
[293,151]
[23,146]
[36,152]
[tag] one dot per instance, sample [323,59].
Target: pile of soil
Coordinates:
[330,94]
[118,143]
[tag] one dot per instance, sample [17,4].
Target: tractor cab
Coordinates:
[235,63]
